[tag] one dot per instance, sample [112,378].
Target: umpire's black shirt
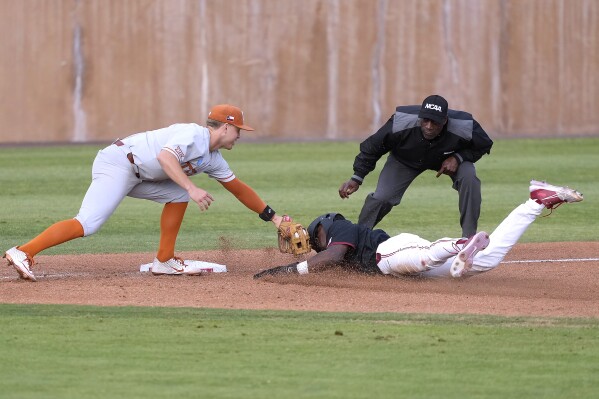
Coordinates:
[462,137]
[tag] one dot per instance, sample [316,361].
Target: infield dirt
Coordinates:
[554,288]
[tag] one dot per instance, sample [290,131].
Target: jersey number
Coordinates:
[188,169]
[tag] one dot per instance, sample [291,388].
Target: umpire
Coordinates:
[429,137]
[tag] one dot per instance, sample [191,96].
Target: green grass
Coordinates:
[75,352]
[41,185]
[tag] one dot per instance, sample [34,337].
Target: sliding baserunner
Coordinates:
[339,242]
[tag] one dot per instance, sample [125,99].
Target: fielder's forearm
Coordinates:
[248,197]
[245,194]
[172,168]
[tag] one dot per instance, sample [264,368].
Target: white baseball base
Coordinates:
[193,267]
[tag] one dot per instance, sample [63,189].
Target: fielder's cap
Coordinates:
[434,108]
[230,114]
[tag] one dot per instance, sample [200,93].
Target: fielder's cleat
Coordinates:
[172,266]
[21,262]
[552,196]
[463,260]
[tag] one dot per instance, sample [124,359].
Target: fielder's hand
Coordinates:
[201,197]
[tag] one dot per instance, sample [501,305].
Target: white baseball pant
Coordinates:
[408,254]
[113,179]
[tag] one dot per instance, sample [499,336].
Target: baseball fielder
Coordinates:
[156,166]
[337,241]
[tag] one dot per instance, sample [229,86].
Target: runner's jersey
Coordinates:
[188,142]
[362,241]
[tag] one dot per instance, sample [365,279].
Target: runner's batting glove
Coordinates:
[287,269]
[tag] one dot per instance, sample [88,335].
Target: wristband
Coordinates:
[267,214]
[357,179]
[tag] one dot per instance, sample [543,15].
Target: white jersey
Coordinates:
[188,142]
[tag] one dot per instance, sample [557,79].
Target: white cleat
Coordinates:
[552,196]
[463,260]
[21,262]
[172,266]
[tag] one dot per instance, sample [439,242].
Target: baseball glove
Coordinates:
[293,238]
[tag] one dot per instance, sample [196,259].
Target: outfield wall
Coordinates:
[93,70]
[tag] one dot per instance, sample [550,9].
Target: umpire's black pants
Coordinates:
[394,180]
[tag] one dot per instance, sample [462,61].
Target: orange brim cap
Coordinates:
[230,114]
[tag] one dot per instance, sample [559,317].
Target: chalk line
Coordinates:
[551,260]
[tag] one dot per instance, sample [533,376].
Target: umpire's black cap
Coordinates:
[434,108]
